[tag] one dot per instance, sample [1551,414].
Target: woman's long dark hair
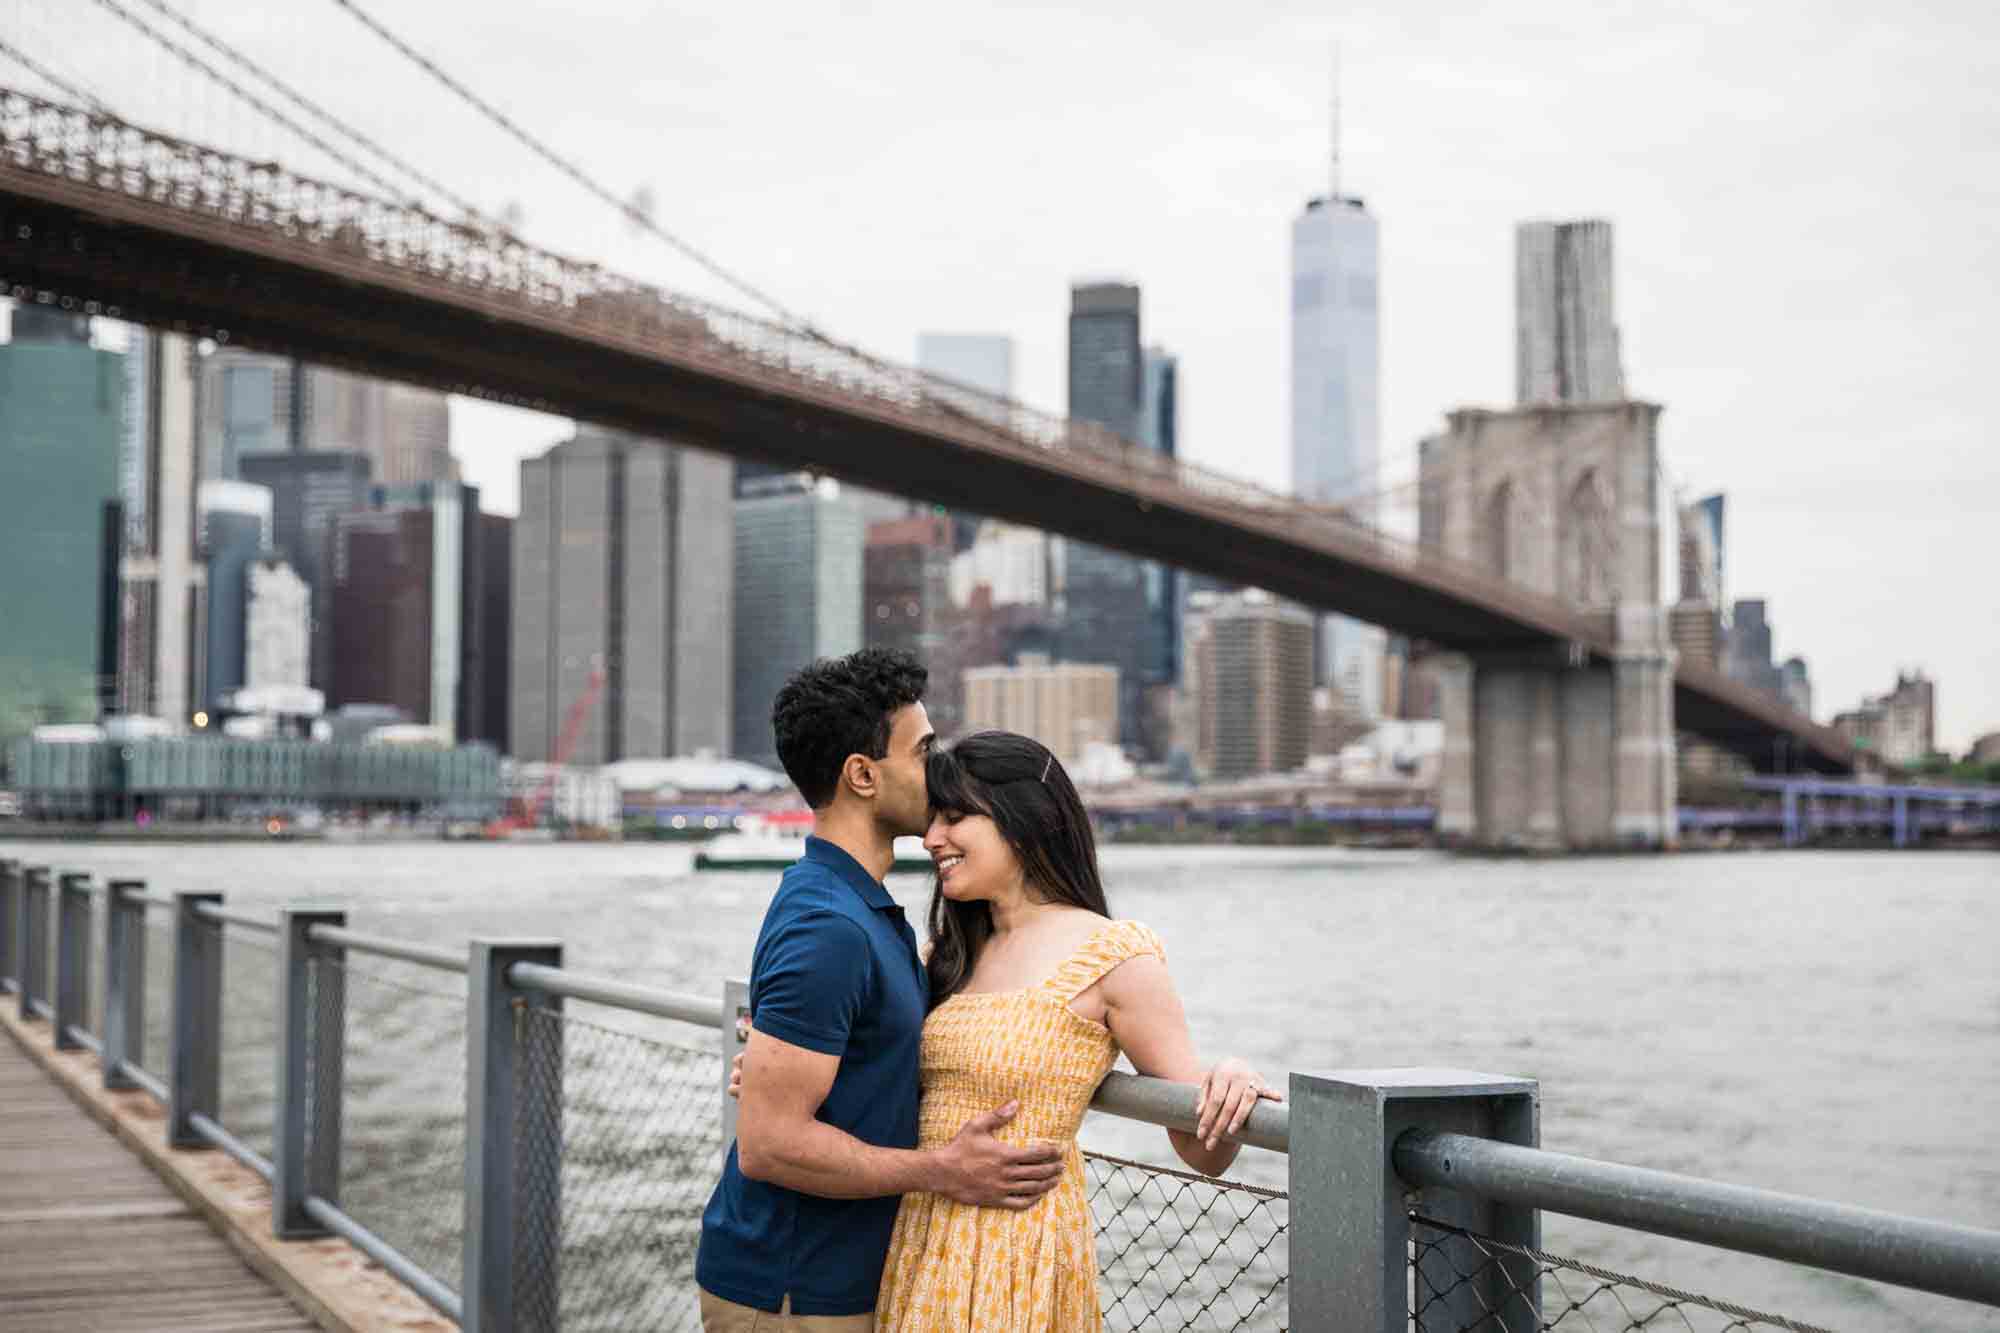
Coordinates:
[1021,786]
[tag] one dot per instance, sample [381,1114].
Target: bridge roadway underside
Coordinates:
[152,265]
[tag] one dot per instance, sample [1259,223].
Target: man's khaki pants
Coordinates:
[720,1316]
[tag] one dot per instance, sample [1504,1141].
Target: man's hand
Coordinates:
[977,1168]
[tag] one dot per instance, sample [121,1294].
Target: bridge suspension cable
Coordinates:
[262,106]
[50,77]
[246,62]
[574,173]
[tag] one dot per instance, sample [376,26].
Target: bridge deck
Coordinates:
[94,1240]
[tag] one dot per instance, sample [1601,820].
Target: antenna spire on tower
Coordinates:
[1333,182]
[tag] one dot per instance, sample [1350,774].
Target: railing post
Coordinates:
[735,1036]
[72,958]
[194,1039]
[124,1003]
[10,924]
[312,1042]
[33,924]
[513,1141]
[1350,1230]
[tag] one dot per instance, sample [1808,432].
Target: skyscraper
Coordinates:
[1250,685]
[798,594]
[253,402]
[1336,383]
[235,534]
[1565,330]
[906,604]
[412,566]
[1702,552]
[161,634]
[1112,600]
[61,414]
[1166,594]
[623,559]
[1747,649]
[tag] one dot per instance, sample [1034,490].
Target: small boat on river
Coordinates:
[774,841]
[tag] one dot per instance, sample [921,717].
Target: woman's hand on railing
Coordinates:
[736,1077]
[1228,1093]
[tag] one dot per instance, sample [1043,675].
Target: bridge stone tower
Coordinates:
[1549,749]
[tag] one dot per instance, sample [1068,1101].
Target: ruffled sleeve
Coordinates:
[1113,943]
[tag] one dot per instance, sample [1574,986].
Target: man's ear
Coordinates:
[858,773]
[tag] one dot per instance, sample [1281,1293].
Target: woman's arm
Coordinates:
[1143,1011]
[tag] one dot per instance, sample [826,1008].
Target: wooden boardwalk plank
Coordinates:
[95,1241]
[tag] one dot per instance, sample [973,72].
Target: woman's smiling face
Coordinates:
[973,861]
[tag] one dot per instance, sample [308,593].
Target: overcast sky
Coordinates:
[1806,198]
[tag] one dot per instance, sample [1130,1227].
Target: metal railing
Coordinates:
[590,1120]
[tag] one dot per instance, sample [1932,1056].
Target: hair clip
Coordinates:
[1046,767]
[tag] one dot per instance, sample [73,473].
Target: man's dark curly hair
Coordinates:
[840,706]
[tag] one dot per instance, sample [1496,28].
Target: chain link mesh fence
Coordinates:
[1179,1251]
[153,1056]
[630,1140]
[1463,1282]
[401,1121]
[249,1034]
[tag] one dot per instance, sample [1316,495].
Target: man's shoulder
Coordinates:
[808,889]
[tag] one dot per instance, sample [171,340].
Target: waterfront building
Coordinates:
[1336,386]
[223,777]
[907,605]
[162,612]
[621,576]
[1565,328]
[61,422]
[277,622]
[413,565]
[307,491]
[1249,680]
[1114,603]
[1067,706]
[235,534]
[799,574]
[1900,726]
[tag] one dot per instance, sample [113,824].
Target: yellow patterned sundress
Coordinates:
[955,1268]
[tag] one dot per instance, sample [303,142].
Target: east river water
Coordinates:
[1824,1024]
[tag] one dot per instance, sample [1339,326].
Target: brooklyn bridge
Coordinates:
[1534,582]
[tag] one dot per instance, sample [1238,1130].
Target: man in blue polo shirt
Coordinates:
[797,1230]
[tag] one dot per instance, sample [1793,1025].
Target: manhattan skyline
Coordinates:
[1805,242]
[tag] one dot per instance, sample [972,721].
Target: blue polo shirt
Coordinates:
[836,971]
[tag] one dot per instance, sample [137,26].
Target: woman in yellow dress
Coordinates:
[1035,990]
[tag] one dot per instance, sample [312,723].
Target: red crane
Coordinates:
[529,813]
